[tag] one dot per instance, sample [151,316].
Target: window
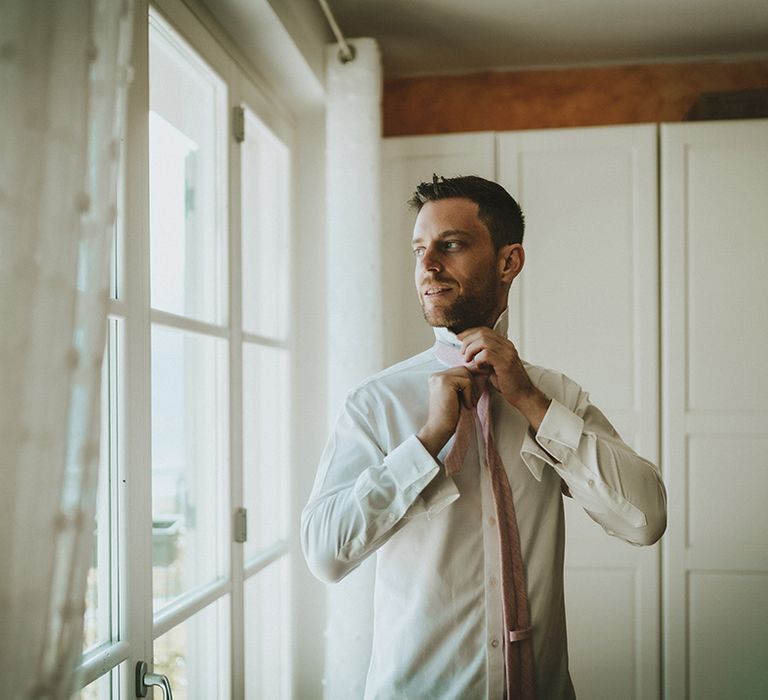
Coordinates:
[196,387]
[266,448]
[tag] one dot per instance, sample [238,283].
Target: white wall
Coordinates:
[309,388]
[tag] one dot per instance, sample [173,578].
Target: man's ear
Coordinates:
[511,260]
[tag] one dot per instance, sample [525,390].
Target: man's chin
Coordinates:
[437,320]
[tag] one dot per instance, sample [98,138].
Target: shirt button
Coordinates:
[591,483]
[493,581]
[391,517]
[495,643]
[491,521]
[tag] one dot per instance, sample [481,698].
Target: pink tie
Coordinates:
[518,645]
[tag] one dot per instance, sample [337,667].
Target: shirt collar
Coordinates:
[501,327]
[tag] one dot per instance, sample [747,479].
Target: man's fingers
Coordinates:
[482,332]
[465,395]
[470,348]
[449,390]
[462,385]
[456,379]
[470,339]
[483,354]
[496,349]
[481,359]
[472,332]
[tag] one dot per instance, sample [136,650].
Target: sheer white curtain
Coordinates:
[355,324]
[64,70]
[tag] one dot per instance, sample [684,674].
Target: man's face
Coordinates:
[459,276]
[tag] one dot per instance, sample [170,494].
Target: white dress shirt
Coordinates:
[438,624]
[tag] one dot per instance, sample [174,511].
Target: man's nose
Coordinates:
[431,259]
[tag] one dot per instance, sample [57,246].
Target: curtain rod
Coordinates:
[347,51]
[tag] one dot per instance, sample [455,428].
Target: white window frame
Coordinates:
[133,626]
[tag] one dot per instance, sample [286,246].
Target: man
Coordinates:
[452,466]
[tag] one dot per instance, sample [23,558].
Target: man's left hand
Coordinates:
[490,351]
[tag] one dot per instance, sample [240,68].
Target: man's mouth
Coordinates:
[436,291]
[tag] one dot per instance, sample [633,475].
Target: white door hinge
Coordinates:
[241,525]
[238,124]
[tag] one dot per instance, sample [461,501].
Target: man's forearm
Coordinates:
[433,439]
[533,406]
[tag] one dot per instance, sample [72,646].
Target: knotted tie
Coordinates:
[518,645]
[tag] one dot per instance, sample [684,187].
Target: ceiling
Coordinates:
[420,37]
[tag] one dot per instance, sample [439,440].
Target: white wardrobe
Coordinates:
[646,280]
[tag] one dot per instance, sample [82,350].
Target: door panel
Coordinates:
[586,304]
[714,311]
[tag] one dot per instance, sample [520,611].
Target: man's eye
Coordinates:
[452,245]
[418,252]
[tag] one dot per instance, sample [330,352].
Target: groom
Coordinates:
[452,466]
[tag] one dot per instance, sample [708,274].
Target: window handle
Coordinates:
[144,680]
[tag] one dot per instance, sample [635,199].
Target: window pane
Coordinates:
[98,598]
[195,655]
[187,146]
[100,689]
[103,688]
[266,227]
[265,444]
[189,461]
[267,670]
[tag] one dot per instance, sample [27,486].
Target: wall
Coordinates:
[309,391]
[279,43]
[558,98]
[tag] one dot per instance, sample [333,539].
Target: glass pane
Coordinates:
[267,670]
[266,461]
[189,461]
[187,147]
[98,596]
[104,687]
[195,655]
[266,228]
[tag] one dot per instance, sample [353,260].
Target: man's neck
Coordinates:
[501,326]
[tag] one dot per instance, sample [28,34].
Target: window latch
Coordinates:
[144,681]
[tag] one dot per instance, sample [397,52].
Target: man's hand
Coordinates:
[488,350]
[448,390]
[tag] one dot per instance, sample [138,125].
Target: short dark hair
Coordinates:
[496,208]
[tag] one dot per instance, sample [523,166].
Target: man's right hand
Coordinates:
[448,390]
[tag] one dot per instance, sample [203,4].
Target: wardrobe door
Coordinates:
[715,415]
[586,304]
[407,161]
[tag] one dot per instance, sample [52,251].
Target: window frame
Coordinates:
[134,628]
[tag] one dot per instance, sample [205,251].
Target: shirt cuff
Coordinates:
[534,457]
[417,475]
[560,431]
[559,435]
[439,494]
[411,466]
